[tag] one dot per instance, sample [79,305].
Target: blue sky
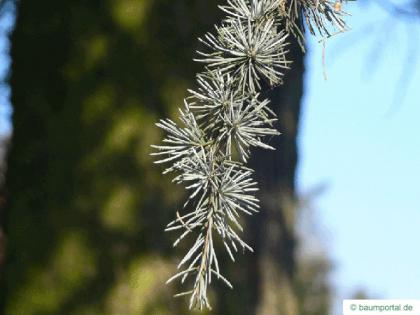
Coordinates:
[360,138]
[363,146]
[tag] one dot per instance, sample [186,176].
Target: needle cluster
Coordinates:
[323,17]
[222,119]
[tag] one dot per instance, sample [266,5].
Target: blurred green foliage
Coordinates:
[89,79]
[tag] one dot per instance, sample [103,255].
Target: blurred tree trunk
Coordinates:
[88,81]
[274,227]
[267,277]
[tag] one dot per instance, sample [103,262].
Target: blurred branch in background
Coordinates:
[407,13]
[398,16]
[408,9]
